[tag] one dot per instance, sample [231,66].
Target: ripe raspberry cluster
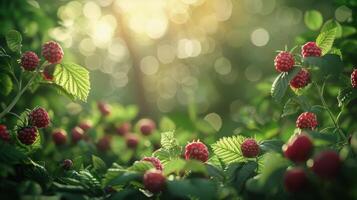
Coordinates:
[4,133]
[155,161]
[307,120]
[196,150]
[354,78]
[325,165]
[250,148]
[301,80]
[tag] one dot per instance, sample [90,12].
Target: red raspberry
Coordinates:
[301,80]
[146,126]
[132,141]
[299,148]
[196,150]
[77,134]
[310,49]
[327,164]
[104,108]
[354,78]
[67,164]
[59,137]
[4,133]
[85,125]
[250,148]
[27,135]
[155,161]
[154,181]
[284,61]
[123,129]
[52,52]
[39,118]
[48,71]
[295,180]
[29,60]
[307,120]
[104,144]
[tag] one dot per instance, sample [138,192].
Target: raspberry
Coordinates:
[299,148]
[306,120]
[310,49]
[250,148]
[104,108]
[52,52]
[27,135]
[295,180]
[354,78]
[59,137]
[284,61]
[29,60]
[85,125]
[48,71]
[39,118]
[67,164]
[301,80]
[146,126]
[154,181]
[196,150]
[77,134]
[123,129]
[4,133]
[132,141]
[155,161]
[104,144]
[327,164]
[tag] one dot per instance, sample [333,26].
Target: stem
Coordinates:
[17,97]
[321,93]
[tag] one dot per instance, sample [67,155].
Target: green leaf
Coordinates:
[228,149]
[313,19]
[346,95]
[170,149]
[125,178]
[98,163]
[6,84]
[74,79]
[281,83]
[336,52]
[271,145]
[290,107]
[327,137]
[243,174]
[9,154]
[192,189]
[272,162]
[348,30]
[166,124]
[327,36]
[114,171]
[13,40]
[141,166]
[3,53]
[174,166]
[327,65]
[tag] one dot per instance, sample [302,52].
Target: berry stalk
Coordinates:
[17,97]
[334,121]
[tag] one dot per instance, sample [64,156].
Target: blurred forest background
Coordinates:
[176,57]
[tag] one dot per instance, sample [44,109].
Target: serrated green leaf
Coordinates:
[6,84]
[74,79]
[98,163]
[174,166]
[141,166]
[327,36]
[114,171]
[169,145]
[228,149]
[290,107]
[281,83]
[346,95]
[166,124]
[13,40]
[313,19]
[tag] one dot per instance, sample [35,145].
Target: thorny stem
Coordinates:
[334,120]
